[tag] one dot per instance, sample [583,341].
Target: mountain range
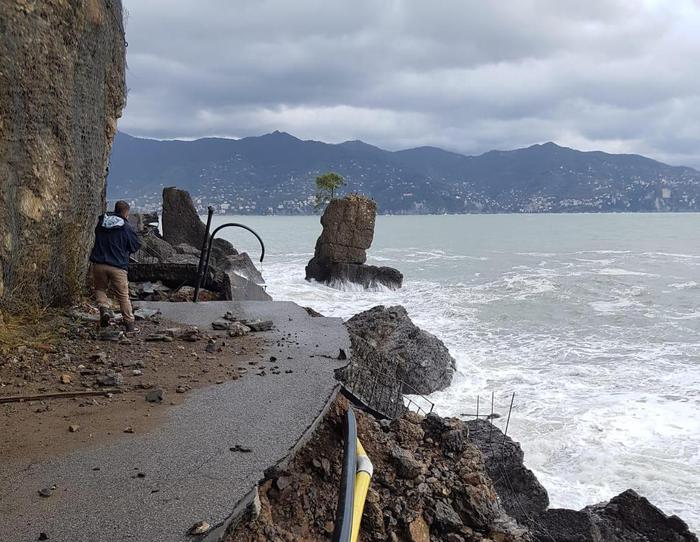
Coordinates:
[274,174]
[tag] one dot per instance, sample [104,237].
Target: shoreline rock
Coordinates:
[628,517]
[341,249]
[173,259]
[424,362]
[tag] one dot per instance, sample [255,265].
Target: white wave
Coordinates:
[617,272]
[604,369]
[684,285]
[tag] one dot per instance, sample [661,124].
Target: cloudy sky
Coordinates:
[465,75]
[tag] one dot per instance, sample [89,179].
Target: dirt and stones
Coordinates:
[421,490]
[118,373]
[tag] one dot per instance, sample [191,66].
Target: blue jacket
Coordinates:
[114,241]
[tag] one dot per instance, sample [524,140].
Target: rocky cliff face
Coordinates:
[61,92]
[341,250]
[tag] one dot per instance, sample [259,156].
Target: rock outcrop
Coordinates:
[173,259]
[421,360]
[629,517]
[61,91]
[182,225]
[341,250]
[521,493]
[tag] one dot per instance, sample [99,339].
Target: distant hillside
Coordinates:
[274,173]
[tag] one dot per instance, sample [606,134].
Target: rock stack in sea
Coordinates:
[341,250]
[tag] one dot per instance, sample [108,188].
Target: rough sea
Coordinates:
[592,320]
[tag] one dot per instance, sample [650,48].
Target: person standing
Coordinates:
[115,240]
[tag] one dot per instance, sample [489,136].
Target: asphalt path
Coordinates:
[188,472]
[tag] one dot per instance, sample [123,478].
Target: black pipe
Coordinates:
[236,225]
[346,496]
[198,282]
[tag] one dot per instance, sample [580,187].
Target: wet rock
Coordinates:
[340,254]
[155,396]
[629,517]
[425,364]
[144,222]
[520,492]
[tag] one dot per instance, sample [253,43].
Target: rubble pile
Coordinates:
[430,483]
[166,266]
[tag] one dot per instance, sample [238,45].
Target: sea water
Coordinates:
[592,320]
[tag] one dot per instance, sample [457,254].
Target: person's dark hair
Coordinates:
[121,207]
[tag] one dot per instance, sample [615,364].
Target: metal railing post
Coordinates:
[198,283]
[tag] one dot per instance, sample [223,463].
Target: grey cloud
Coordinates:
[467,75]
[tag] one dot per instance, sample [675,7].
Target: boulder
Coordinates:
[62,90]
[421,360]
[521,494]
[153,248]
[238,278]
[629,517]
[341,250]
[181,224]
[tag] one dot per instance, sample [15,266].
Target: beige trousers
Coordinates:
[106,276]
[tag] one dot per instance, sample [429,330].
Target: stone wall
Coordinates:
[61,91]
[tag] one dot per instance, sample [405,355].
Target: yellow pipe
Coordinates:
[362,480]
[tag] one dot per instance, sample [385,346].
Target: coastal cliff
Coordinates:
[61,91]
